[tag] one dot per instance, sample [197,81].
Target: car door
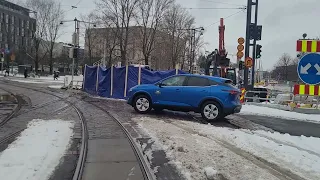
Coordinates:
[195,90]
[168,93]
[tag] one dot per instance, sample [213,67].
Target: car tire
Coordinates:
[142,104]
[211,111]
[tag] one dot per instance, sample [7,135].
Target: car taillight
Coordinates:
[233,92]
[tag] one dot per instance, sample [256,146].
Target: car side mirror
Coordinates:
[160,84]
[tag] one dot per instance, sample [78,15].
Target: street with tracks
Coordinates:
[108,144]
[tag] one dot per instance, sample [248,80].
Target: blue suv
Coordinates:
[213,97]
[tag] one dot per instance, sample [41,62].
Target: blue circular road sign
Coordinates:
[309,69]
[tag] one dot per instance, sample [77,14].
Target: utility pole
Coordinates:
[75,42]
[191,51]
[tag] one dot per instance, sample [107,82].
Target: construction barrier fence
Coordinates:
[301,89]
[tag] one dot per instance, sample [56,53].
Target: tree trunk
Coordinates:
[36,63]
[146,60]
[51,63]
[123,58]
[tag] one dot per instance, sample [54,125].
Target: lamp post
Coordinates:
[76,41]
[193,43]
[33,34]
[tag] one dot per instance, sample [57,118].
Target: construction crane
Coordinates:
[217,62]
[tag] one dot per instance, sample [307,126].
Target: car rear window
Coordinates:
[229,83]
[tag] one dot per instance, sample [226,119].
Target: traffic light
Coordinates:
[258,51]
[75,53]
[241,65]
[240,48]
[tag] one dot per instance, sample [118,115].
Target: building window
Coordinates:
[12,19]
[18,31]
[22,23]
[0,36]
[22,32]
[27,24]
[12,30]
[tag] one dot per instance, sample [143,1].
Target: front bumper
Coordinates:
[129,101]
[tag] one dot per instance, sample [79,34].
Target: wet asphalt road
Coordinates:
[292,127]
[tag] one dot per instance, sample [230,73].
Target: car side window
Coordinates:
[174,81]
[198,81]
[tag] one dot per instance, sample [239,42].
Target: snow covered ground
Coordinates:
[56,84]
[201,150]
[38,150]
[265,111]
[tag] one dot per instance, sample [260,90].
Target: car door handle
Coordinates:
[177,89]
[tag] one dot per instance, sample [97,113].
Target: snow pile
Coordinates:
[298,154]
[210,173]
[193,153]
[55,86]
[265,111]
[36,153]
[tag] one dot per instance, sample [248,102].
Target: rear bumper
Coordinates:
[233,110]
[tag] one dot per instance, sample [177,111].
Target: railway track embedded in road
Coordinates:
[15,110]
[147,173]
[84,137]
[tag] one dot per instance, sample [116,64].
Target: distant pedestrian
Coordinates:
[25,73]
[7,71]
[55,75]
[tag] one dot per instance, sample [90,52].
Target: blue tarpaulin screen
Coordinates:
[119,78]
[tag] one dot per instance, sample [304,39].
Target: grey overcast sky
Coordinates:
[283,21]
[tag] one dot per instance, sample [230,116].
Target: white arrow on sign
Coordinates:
[318,68]
[304,70]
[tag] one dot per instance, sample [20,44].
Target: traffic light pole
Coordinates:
[251,35]
[254,44]
[247,42]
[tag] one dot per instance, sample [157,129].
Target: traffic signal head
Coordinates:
[258,51]
[241,65]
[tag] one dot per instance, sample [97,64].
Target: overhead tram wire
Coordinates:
[219,2]
[226,18]
[242,8]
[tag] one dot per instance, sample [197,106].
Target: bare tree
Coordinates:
[176,21]
[90,37]
[282,65]
[52,24]
[120,13]
[41,13]
[150,13]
